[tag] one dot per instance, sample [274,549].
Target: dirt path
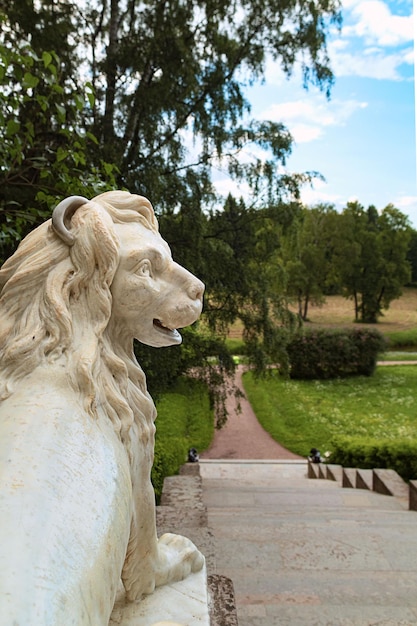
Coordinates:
[243,437]
[397,362]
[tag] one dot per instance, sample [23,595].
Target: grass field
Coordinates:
[337,311]
[305,414]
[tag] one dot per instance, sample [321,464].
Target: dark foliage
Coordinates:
[399,455]
[322,354]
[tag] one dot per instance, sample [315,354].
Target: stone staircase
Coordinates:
[302,551]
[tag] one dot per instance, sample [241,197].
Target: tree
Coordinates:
[371,258]
[167,103]
[163,72]
[394,237]
[236,250]
[245,283]
[43,147]
[307,253]
[412,256]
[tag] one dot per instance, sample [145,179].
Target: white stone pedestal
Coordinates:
[185,603]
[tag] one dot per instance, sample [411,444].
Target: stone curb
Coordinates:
[413,495]
[383,481]
[334,472]
[349,478]
[364,479]
[389,483]
[182,511]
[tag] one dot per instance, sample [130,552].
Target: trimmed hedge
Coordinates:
[169,456]
[322,353]
[399,455]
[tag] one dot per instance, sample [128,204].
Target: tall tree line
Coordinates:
[361,253]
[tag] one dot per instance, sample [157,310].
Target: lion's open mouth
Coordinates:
[172,332]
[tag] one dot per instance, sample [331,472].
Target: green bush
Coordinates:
[323,354]
[185,420]
[399,455]
[169,456]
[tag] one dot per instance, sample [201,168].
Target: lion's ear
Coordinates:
[62,215]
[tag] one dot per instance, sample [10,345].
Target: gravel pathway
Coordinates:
[243,437]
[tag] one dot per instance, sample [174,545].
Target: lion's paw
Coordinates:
[178,557]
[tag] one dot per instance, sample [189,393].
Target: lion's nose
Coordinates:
[192,285]
[196,289]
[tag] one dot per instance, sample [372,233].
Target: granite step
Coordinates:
[303,551]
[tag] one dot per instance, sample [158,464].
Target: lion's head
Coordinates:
[81,288]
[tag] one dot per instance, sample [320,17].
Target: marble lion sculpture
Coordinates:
[76,420]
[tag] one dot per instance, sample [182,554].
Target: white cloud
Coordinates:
[307,119]
[318,193]
[304,133]
[409,53]
[407,205]
[405,202]
[374,22]
[274,75]
[227,185]
[349,4]
[369,63]
[373,42]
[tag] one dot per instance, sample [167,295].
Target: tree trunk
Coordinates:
[111,75]
[300,305]
[355,300]
[306,303]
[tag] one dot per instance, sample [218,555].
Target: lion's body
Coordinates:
[76,421]
[66,507]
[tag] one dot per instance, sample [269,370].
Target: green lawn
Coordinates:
[396,355]
[305,414]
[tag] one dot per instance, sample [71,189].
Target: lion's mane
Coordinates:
[55,303]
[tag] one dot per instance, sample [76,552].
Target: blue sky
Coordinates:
[363,139]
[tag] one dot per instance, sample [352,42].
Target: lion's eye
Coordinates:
[144,269]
